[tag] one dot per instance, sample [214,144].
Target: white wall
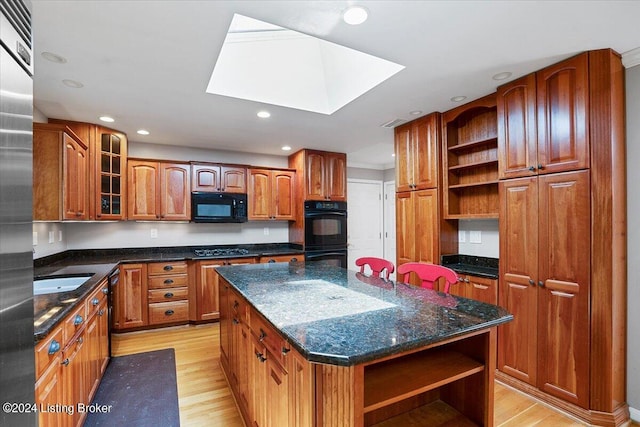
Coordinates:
[486,230]
[44,247]
[633,242]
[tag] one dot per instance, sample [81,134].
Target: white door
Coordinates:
[389,200]
[364,221]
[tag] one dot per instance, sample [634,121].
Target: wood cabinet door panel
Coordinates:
[563,122]
[563,333]
[207,299]
[205,178]
[282,190]
[517,142]
[517,340]
[404,158]
[259,194]
[109,159]
[233,179]
[132,296]
[336,176]
[277,393]
[76,163]
[315,179]
[426,226]
[175,200]
[301,391]
[143,184]
[405,234]
[49,393]
[426,145]
[483,289]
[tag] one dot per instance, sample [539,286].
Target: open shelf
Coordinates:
[473,184]
[491,140]
[398,379]
[471,165]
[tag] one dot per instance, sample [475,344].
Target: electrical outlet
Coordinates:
[59,235]
[35,238]
[462,236]
[266,231]
[154,233]
[51,237]
[475,236]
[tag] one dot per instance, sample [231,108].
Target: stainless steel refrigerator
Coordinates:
[17,370]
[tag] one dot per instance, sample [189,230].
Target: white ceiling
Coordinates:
[148,63]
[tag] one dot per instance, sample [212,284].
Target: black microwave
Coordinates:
[218,207]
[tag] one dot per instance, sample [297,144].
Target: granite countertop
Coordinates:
[50,309]
[473,265]
[336,316]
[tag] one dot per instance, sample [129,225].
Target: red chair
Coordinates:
[428,273]
[379,266]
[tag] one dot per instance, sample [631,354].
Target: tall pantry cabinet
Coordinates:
[562,236]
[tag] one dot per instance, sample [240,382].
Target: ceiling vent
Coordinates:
[393,123]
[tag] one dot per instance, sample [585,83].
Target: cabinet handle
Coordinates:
[271,261]
[236,304]
[285,350]
[168,295]
[80,340]
[541,284]
[168,281]
[77,320]
[532,168]
[101,312]
[540,167]
[294,259]
[261,357]
[54,347]
[262,336]
[78,213]
[235,321]
[106,290]
[466,280]
[95,301]
[167,268]
[532,282]
[168,312]
[65,362]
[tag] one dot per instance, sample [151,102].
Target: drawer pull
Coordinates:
[168,295]
[101,312]
[271,260]
[294,259]
[106,290]
[95,301]
[260,357]
[168,282]
[168,268]
[54,347]
[80,340]
[262,336]
[168,312]
[65,362]
[285,350]
[77,320]
[236,321]
[236,304]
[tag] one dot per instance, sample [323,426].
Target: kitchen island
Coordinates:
[312,345]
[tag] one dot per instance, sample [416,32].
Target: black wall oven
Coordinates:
[325,232]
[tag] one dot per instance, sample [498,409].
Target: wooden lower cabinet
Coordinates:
[50,387]
[478,288]
[130,297]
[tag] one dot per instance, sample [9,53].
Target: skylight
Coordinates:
[266,63]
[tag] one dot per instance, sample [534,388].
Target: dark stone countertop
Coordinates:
[336,316]
[473,265]
[50,309]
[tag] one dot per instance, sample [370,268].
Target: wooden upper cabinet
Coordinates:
[324,174]
[218,178]
[109,155]
[543,121]
[271,194]
[60,174]
[158,190]
[416,148]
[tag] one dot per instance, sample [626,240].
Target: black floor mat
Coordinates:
[138,390]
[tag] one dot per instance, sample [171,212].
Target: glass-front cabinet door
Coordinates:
[110,179]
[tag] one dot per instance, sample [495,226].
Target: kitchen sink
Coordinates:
[54,285]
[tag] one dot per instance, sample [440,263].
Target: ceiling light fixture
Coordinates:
[72,83]
[458,98]
[286,148]
[355,15]
[415,112]
[264,114]
[502,76]
[54,58]
[143,132]
[107,119]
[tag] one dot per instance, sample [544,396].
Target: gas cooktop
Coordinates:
[220,252]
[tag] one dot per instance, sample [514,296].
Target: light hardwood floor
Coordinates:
[205,399]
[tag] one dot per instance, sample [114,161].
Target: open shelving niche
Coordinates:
[470,148]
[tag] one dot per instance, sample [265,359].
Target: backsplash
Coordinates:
[487,232]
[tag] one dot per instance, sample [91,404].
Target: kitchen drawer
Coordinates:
[168,312]
[168,294]
[282,258]
[269,337]
[95,299]
[173,281]
[48,350]
[74,322]
[164,268]
[238,307]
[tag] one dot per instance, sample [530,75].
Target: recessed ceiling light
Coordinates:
[264,114]
[355,15]
[393,154]
[54,58]
[458,98]
[72,83]
[143,132]
[415,113]
[286,148]
[107,119]
[502,76]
